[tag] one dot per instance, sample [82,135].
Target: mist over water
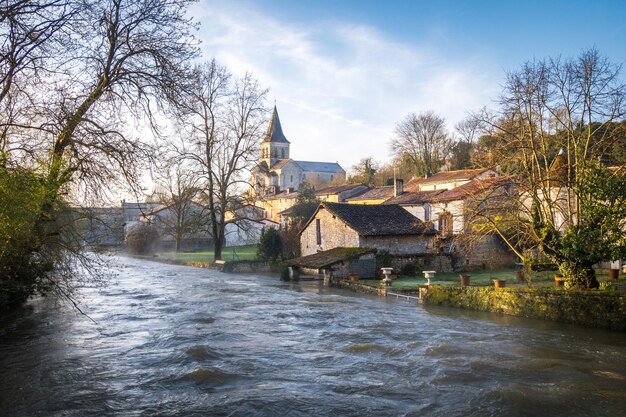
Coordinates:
[173,340]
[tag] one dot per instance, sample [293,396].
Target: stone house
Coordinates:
[447,180]
[246,231]
[382,227]
[277,203]
[417,203]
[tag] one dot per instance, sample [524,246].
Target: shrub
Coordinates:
[408,269]
[142,239]
[270,245]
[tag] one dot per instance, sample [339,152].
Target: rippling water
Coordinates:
[172,340]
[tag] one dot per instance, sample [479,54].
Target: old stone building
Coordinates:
[382,227]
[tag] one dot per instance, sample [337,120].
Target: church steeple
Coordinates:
[275,146]
[274,130]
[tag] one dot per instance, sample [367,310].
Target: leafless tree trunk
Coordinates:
[226,117]
[555,107]
[75,76]
[178,190]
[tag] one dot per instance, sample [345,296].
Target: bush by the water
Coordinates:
[270,245]
[142,239]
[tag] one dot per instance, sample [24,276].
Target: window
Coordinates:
[318,231]
[282,153]
[291,179]
[445,223]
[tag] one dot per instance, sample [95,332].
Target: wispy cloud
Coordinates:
[340,86]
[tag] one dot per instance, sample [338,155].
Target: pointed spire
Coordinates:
[274,130]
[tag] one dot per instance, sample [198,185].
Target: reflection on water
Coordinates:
[172,340]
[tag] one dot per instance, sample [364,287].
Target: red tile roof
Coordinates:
[420,197]
[377,193]
[442,177]
[471,188]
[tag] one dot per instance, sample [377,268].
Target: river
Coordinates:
[179,341]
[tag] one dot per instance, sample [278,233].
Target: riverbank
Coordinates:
[238,266]
[599,309]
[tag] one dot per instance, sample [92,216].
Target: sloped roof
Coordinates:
[445,176]
[280,164]
[329,257]
[309,166]
[377,193]
[282,194]
[274,130]
[376,220]
[471,188]
[419,197]
[336,189]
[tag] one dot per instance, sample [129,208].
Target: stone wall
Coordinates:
[426,262]
[335,233]
[399,245]
[489,252]
[247,266]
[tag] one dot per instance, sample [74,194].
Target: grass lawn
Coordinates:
[232,253]
[477,278]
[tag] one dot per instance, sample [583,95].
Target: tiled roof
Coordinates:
[282,194]
[274,130]
[377,220]
[309,166]
[336,189]
[446,176]
[420,197]
[377,193]
[471,188]
[329,257]
[281,163]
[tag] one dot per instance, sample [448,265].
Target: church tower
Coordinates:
[275,146]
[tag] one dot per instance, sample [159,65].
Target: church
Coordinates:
[277,173]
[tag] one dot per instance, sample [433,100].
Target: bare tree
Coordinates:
[226,117]
[75,76]
[178,191]
[571,209]
[423,139]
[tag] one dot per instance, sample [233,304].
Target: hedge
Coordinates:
[602,309]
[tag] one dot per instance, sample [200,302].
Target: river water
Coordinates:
[172,340]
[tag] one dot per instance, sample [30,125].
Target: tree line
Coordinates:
[90,91]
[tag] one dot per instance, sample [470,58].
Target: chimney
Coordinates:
[398,187]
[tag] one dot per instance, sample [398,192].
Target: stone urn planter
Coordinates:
[499,283]
[559,280]
[465,280]
[613,274]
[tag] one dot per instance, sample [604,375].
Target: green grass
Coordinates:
[232,253]
[477,278]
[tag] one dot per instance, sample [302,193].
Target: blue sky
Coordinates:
[343,73]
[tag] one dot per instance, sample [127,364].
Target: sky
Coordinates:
[343,73]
